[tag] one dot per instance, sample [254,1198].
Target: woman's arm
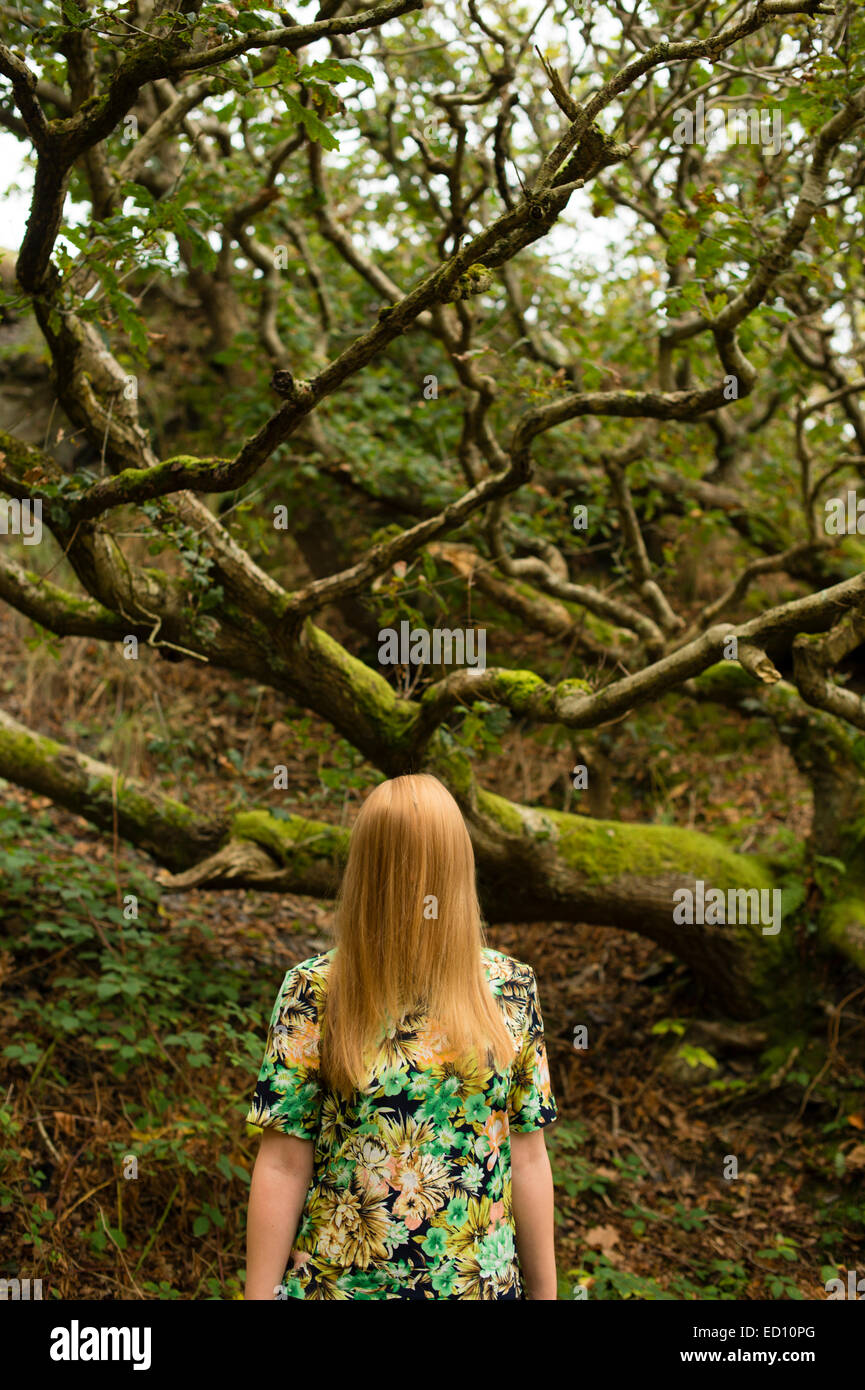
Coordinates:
[532,1180]
[280,1180]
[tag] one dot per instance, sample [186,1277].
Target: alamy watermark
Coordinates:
[439,646]
[835,1287]
[77,1343]
[22,519]
[845,516]
[18,1289]
[712,907]
[699,127]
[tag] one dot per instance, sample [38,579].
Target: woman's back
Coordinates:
[411,1188]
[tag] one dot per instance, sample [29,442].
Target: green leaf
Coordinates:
[72,13]
[203,253]
[697,1056]
[669,1025]
[314,127]
[837,864]
[337,70]
[128,315]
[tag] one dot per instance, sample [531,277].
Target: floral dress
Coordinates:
[410,1196]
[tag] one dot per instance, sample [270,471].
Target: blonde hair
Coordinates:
[410,857]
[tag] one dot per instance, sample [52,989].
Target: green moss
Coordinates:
[25,751]
[525,692]
[129,480]
[517,688]
[451,765]
[473,281]
[725,678]
[157,576]
[291,838]
[603,851]
[179,461]
[574,685]
[70,603]
[43,765]
[24,456]
[393,718]
[601,630]
[503,812]
[843,926]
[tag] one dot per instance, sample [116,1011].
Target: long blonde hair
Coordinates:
[410,858]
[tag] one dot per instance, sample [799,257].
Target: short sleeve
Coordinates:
[287,1094]
[530,1099]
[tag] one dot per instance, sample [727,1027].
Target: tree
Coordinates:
[371,215]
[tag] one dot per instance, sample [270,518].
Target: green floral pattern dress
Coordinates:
[411,1190]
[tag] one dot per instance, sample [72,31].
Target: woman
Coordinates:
[404,1087]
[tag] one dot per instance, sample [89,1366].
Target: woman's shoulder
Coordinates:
[308,977]
[501,967]
[316,965]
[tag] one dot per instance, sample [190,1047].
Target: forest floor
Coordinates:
[694,1158]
